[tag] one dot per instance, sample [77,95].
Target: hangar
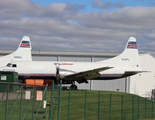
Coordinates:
[141,84]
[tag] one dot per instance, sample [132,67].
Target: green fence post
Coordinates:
[69,104]
[21,90]
[51,102]
[152,108]
[98,105]
[85,105]
[6,107]
[110,107]
[145,108]
[33,103]
[132,107]
[138,107]
[122,115]
[59,102]
[45,99]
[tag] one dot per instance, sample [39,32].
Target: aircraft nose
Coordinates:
[1,68]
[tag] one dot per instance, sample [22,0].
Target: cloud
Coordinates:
[106,5]
[151,35]
[151,2]
[64,27]
[25,8]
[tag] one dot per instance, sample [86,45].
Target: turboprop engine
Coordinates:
[61,73]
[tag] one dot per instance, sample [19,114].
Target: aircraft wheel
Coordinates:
[73,87]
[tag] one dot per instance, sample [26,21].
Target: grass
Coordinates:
[92,105]
[19,108]
[81,104]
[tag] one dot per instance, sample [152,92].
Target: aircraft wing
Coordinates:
[86,75]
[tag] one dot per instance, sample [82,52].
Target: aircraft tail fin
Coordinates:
[23,53]
[130,55]
[24,50]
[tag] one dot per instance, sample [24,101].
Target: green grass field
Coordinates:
[84,105]
[92,105]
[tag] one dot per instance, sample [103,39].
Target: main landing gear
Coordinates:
[73,86]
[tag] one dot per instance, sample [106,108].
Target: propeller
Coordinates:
[58,74]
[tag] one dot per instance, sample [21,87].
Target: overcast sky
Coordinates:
[78,25]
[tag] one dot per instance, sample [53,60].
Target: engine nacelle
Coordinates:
[63,73]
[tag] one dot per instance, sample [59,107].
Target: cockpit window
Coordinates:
[11,65]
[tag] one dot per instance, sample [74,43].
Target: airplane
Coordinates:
[124,65]
[23,53]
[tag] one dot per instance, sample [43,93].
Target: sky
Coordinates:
[78,25]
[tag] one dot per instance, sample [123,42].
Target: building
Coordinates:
[141,84]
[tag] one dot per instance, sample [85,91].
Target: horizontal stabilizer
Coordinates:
[134,72]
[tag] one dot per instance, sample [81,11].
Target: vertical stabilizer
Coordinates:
[23,53]
[129,57]
[131,53]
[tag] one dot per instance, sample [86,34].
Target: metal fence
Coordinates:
[101,105]
[22,102]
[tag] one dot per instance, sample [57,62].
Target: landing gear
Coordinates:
[73,87]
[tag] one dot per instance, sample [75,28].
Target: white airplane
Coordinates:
[23,53]
[123,65]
